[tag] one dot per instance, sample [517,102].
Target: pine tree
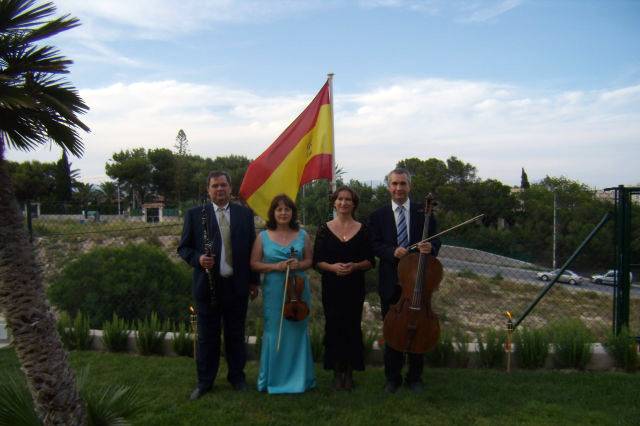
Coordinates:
[524,180]
[64,178]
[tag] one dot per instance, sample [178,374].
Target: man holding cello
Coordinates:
[393,229]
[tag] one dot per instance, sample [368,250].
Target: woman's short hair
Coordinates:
[284,199]
[354,198]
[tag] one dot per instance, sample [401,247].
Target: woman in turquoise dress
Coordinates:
[288,368]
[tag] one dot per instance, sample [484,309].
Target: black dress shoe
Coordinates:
[197,393]
[391,387]
[240,386]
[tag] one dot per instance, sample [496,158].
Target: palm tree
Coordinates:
[37,106]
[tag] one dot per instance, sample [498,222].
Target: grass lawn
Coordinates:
[452,396]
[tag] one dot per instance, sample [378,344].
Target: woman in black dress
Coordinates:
[342,254]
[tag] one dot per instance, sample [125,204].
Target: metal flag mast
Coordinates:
[333,145]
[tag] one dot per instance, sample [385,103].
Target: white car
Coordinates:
[607,278]
[566,277]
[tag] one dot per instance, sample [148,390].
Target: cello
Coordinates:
[411,325]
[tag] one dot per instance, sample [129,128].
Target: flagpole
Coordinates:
[333,129]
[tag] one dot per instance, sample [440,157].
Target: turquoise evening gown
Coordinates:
[291,369]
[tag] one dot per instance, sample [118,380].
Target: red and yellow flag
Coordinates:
[302,153]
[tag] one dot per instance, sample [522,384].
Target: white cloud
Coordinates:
[464,11]
[163,18]
[591,136]
[482,11]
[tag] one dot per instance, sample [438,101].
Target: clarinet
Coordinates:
[208,251]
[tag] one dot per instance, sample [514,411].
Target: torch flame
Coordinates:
[193,311]
[508,315]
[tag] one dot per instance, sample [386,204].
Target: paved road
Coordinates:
[520,275]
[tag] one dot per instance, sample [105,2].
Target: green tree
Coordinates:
[524,180]
[181,164]
[164,170]
[107,195]
[133,169]
[32,180]
[37,107]
[65,178]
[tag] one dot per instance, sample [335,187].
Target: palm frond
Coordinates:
[36,107]
[16,406]
[20,15]
[111,405]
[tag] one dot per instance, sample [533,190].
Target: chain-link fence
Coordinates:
[477,289]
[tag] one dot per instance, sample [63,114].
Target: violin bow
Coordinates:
[413,246]
[284,298]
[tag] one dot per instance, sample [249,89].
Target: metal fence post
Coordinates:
[622,287]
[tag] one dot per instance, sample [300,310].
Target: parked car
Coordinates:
[567,276]
[608,278]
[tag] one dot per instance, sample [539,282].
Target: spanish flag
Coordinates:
[302,153]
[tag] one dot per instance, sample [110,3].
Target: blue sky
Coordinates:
[551,86]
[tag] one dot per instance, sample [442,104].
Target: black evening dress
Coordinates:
[342,297]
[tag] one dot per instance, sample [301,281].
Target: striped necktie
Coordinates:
[403,239]
[225,234]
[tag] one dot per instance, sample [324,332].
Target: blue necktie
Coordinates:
[403,239]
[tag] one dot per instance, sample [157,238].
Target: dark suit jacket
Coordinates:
[384,239]
[243,233]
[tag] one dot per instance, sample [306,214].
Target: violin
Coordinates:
[294,309]
[411,325]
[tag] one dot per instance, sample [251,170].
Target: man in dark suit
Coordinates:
[393,228]
[231,229]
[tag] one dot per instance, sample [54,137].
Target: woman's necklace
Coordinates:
[344,230]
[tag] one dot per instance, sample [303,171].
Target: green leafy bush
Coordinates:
[182,341]
[259,331]
[316,332]
[130,281]
[467,273]
[572,342]
[442,354]
[115,334]
[76,333]
[369,336]
[531,347]
[110,405]
[491,348]
[461,345]
[623,349]
[150,335]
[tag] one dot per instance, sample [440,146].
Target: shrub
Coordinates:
[442,354]
[76,334]
[531,347]
[150,335]
[259,331]
[115,334]
[497,277]
[316,332]
[461,354]
[182,341]
[370,335]
[467,273]
[491,348]
[130,281]
[572,343]
[110,405]
[622,348]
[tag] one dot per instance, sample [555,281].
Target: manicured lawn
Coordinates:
[452,396]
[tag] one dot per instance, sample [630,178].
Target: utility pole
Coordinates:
[555,203]
[118,190]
